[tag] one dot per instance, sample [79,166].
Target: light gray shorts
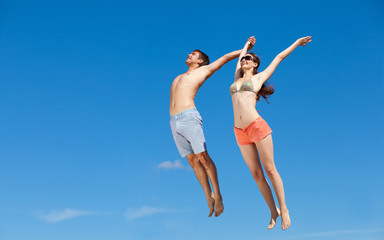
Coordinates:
[187,131]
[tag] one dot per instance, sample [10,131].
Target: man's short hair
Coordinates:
[202,56]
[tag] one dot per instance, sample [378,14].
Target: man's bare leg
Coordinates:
[212,175]
[201,175]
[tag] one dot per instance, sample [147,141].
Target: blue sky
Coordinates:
[86,150]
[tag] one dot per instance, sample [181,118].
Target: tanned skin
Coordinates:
[260,154]
[183,92]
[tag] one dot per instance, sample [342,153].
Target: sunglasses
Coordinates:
[248,57]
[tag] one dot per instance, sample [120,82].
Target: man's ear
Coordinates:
[200,61]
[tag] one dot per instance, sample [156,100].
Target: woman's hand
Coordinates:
[251,42]
[248,46]
[304,40]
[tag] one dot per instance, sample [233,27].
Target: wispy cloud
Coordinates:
[172,165]
[57,216]
[334,233]
[133,213]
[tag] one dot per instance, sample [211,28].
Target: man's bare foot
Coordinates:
[274,216]
[211,204]
[219,207]
[285,220]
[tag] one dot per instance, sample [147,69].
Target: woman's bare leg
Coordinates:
[251,158]
[265,148]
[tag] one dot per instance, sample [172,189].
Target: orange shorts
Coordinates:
[253,133]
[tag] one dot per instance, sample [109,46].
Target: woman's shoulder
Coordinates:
[256,77]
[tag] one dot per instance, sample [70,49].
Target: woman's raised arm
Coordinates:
[248,46]
[267,73]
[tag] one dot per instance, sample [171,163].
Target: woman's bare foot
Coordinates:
[211,204]
[274,216]
[285,220]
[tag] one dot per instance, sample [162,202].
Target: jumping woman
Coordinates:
[253,134]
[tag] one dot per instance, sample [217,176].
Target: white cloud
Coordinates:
[57,216]
[132,213]
[169,165]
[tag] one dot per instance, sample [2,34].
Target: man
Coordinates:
[186,122]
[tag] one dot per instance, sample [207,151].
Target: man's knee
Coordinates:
[193,160]
[205,159]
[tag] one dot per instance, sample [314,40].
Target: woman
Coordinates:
[253,134]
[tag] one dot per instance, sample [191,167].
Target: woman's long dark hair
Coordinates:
[267,89]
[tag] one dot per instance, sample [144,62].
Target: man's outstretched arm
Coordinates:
[216,65]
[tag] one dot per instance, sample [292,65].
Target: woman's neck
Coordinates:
[248,74]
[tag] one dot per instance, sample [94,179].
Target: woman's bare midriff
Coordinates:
[244,110]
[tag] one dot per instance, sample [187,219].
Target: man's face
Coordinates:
[193,57]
